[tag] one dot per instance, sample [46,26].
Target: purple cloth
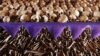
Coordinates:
[54,28]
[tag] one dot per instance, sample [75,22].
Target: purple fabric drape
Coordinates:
[54,28]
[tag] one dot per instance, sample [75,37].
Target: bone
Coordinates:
[6,19]
[25,18]
[96,14]
[53,9]
[63,19]
[43,44]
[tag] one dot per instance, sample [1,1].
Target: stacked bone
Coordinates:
[49,10]
[45,45]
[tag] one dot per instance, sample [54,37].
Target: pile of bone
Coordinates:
[45,45]
[49,10]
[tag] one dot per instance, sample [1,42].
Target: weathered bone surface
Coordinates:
[55,29]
